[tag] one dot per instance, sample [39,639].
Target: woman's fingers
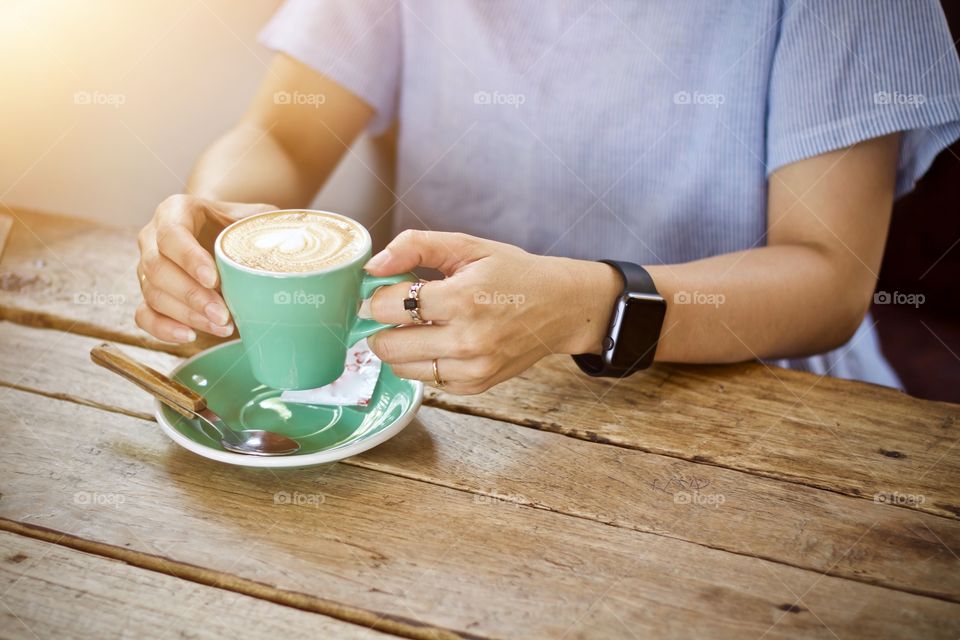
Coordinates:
[179,220]
[423,370]
[413,343]
[436,302]
[178,275]
[162,327]
[181,247]
[462,376]
[433,249]
[170,305]
[162,273]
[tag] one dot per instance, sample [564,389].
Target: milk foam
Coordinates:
[294,242]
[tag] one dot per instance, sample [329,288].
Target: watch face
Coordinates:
[638,322]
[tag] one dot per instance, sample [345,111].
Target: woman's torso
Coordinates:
[624,130]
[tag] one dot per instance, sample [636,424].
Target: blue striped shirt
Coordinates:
[634,130]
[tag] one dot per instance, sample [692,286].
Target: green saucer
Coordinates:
[326,433]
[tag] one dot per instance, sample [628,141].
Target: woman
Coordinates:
[739,160]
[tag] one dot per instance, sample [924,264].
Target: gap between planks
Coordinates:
[465,489]
[439,403]
[50,591]
[396,625]
[51,321]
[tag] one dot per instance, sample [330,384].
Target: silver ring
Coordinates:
[412,302]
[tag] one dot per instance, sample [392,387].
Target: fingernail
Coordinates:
[377,260]
[217,313]
[184,335]
[223,331]
[207,276]
[364,311]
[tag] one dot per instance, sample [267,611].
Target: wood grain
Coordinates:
[724,509]
[74,275]
[848,437]
[402,548]
[51,591]
[57,363]
[844,436]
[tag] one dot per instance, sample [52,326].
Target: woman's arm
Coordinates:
[286,145]
[808,290]
[288,142]
[501,309]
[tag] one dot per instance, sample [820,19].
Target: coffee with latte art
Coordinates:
[294,242]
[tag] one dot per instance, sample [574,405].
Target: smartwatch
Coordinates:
[631,340]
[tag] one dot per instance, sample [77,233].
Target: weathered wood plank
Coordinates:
[383,544]
[58,363]
[51,591]
[737,512]
[848,437]
[844,436]
[74,275]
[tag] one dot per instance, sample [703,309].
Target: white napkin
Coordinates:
[353,388]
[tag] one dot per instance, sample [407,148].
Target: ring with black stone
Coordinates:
[412,302]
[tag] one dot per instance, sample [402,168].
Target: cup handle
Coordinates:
[364,327]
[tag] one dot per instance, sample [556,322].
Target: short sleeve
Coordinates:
[355,43]
[845,71]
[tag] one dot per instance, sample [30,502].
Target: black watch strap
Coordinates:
[635,277]
[636,280]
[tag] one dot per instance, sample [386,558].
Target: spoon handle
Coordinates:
[178,397]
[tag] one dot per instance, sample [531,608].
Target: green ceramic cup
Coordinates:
[296,327]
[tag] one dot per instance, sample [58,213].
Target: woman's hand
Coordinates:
[177,273]
[498,310]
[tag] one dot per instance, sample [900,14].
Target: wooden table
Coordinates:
[736,501]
